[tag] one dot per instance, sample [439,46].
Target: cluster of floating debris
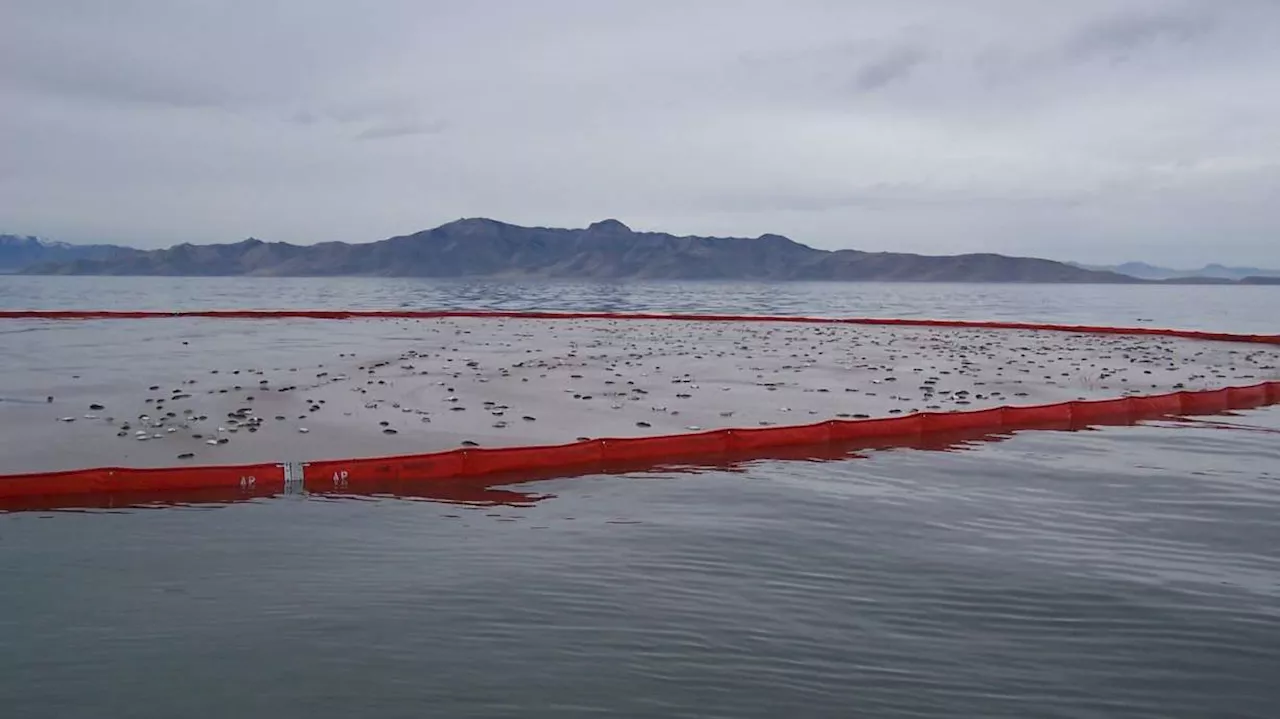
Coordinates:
[506,382]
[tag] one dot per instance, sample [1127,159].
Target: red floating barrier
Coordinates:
[1085,412]
[987,419]
[911,425]
[1247,397]
[1032,416]
[1211,401]
[1160,405]
[756,438]
[437,465]
[521,314]
[82,481]
[114,479]
[524,459]
[659,448]
[259,476]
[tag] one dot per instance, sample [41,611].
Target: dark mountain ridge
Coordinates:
[478,247]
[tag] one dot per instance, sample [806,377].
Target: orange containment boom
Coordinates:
[633,452]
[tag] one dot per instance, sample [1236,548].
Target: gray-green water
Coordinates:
[1121,572]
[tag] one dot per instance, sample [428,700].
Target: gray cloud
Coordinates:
[401,129]
[1099,130]
[895,65]
[1118,37]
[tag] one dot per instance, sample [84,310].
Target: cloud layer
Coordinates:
[1099,130]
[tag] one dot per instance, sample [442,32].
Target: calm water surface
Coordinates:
[1227,309]
[1121,572]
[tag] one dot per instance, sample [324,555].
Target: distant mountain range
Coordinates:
[478,247]
[19,252]
[1144,271]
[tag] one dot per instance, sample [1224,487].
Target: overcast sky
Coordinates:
[1094,130]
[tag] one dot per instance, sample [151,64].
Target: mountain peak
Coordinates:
[771,238]
[471,223]
[610,225]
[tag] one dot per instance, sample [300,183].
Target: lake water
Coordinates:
[1119,572]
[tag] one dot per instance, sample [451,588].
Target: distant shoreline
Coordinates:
[1196,281]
